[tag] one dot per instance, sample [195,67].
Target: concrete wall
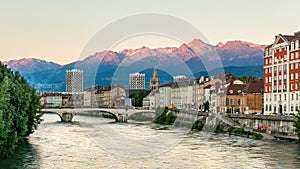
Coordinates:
[275,124]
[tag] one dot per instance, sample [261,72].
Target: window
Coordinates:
[266,89]
[292,96]
[270,60]
[292,86]
[266,61]
[292,66]
[292,107]
[239,102]
[266,108]
[275,97]
[292,46]
[297,55]
[292,55]
[275,68]
[296,86]
[284,108]
[296,76]
[266,70]
[296,65]
[270,108]
[284,97]
[266,80]
[279,68]
[292,76]
[231,102]
[270,71]
[284,67]
[270,79]
[296,96]
[296,107]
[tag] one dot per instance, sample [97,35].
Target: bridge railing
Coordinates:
[263,117]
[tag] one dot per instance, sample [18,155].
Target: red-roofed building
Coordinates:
[281,75]
[245,98]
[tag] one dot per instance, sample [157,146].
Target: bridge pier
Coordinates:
[67,116]
[122,118]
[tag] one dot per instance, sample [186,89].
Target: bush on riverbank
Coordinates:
[243,133]
[198,125]
[164,116]
[19,110]
[140,117]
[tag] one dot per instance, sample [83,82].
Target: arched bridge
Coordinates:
[120,115]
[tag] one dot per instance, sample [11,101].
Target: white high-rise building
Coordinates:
[282,75]
[137,81]
[74,81]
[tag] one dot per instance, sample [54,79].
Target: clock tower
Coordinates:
[154,82]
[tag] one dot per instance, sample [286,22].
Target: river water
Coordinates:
[94,142]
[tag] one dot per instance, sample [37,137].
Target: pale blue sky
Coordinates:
[57,30]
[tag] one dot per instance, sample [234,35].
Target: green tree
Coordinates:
[138,97]
[245,78]
[19,110]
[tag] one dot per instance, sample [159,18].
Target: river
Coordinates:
[94,142]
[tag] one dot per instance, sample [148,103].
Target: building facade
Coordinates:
[201,92]
[165,95]
[137,81]
[245,98]
[74,81]
[281,75]
[182,92]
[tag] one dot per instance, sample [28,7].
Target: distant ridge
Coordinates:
[238,57]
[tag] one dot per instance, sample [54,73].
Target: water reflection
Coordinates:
[76,145]
[26,156]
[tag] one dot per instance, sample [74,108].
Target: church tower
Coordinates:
[154,82]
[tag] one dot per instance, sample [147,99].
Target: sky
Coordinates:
[58,30]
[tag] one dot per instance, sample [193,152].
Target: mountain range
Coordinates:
[107,67]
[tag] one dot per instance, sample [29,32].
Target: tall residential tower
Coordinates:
[137,81]
[74,81]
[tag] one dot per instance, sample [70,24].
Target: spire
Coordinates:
[154,71]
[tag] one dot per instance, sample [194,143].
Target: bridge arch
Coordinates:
[115,115]
[54,112]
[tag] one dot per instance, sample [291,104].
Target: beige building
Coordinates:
[165,95]
[200,94]
[182,92]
